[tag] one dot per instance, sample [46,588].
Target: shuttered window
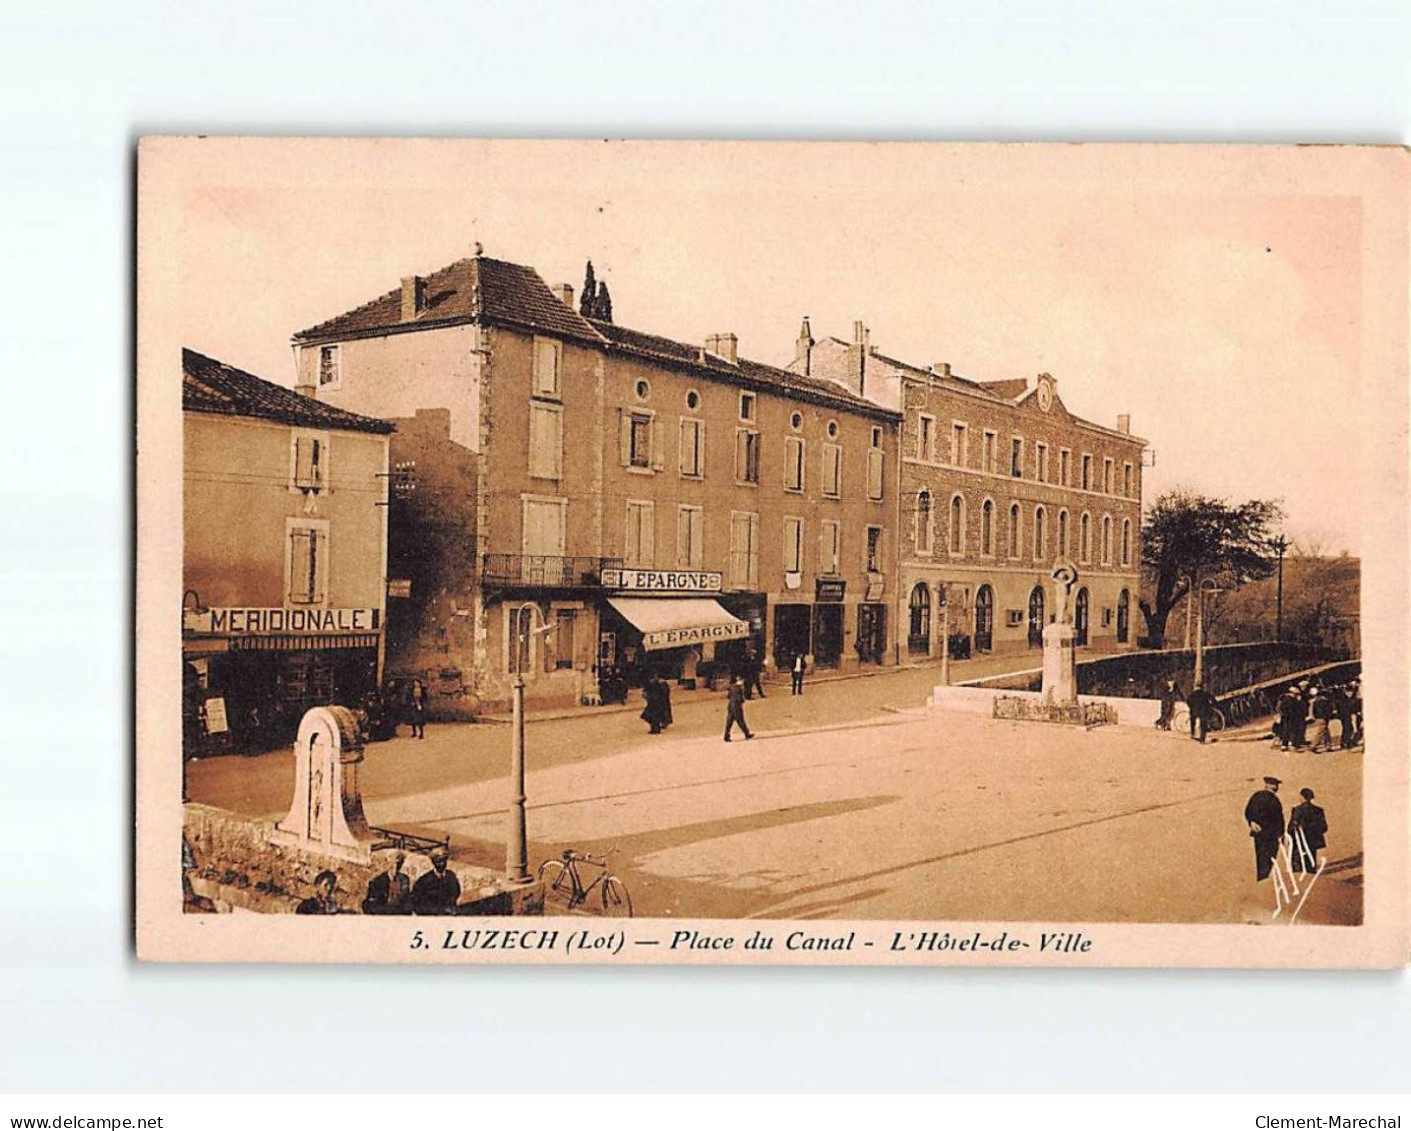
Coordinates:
[744,549]
[639,550]
[545,441]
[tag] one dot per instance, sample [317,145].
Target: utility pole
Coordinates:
[1281,545]
[1206,586]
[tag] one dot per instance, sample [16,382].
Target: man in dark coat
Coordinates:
[389,892]
[1265,816]
[1290,708]
[321,902]
[1342,707]
[1201,703]
[754,667]
[1308,829]
[735,708]
[436,891]
[1169,696]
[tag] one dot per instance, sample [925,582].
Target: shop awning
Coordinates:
[667,622]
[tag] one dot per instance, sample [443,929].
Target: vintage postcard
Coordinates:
[767,552]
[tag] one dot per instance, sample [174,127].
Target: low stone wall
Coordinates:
[973,700]
[239,865]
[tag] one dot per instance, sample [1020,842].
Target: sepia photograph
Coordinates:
[771,552]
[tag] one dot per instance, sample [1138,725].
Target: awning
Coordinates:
[674,622]
[303,643]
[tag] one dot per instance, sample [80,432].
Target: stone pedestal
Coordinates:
[1060,687]
[326,814]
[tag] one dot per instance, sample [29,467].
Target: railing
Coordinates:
[545,570]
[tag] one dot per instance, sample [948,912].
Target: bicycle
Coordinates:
[564,887]
[1181,719]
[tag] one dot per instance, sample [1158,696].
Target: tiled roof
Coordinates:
[211,386]
[491,289]
[746,372]
[938,378]
[1009,389]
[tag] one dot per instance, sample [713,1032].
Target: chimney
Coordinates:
[941,368]
[861,335]
[413,297]
[856,378]
[803,347]
[725,346]
[1124,423]
[564,293]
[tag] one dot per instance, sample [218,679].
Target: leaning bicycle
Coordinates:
[1181,719]
[565,891]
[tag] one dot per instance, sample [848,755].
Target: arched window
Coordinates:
[1063,533]
[1126,541]
[984,618]
[923,527]
[1040,535]
[1124,616]
[987,529]
[1016,545]
[1036,616]
[957,524]
[1107,539]
[1085,537]
[919,637]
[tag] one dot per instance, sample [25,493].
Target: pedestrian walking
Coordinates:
[418,709]
[1322,707]
[1308,830]
[437,890]
[796,670]
[321,902]
[657,711]
[389,892]
[735,708]
[1170,694]
[1342,707]
[1264,813]
[754,667]
[1355,699]
[1201,703]
[1300,715]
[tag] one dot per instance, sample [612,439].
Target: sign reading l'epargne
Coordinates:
[662,580]
[266,622]
[677,637]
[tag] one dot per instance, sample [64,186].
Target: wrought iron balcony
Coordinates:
[545,570]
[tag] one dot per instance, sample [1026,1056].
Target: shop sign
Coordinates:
[662,580]
[826,590]
[215,717]
[678,637]
[271,622]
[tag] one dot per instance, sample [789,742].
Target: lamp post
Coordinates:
[517,841]
[1206,586]
[1280,546]
[944,589]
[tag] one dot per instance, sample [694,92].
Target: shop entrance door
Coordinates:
[827,635]
[984,619]
[871,633]
[792,636]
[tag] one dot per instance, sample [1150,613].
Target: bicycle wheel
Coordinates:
[1180,717]
[617,904]
[558,886]
[1216,722]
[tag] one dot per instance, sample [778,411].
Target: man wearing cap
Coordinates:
[436,890]
[1265,815]
[389,892]
[1308,829]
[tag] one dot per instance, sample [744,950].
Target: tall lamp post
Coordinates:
[1280,546]
[944,589]
[517,842]
[1206,586]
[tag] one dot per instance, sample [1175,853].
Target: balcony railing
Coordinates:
[545,570]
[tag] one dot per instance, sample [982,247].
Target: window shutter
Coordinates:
[648,520]
[624,437]
[754,549]
[874,474]
[741,453]
[658,444]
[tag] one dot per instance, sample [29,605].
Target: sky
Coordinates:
[1213,293]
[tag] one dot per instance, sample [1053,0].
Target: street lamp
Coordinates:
[1206,586]
[517,842]
[944,590]
[1279,545]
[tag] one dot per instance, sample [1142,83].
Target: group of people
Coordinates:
[1200,703]
[1304,702]
[746,681]
[1306,829]
[437,891]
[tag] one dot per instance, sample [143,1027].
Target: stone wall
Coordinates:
[239,866]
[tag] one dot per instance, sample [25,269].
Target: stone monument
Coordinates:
[1060,686]
[326,814]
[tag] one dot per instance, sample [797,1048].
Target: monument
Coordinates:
[326,814]
[1060,686]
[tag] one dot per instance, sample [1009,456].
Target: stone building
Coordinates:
[662,506]
[997,481]
[284,542]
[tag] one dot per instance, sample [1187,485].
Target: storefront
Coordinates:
[828,596]
[248,675]
[871,632]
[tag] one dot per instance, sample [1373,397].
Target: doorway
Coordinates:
[1036,617]
[984,619]
[1080,618]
